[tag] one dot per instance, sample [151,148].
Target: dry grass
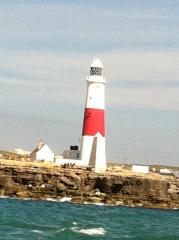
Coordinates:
[26,164]
[48,166]
[128,173]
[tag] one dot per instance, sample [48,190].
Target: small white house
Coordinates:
[42,153]
[140,169]
[21,151]
[165,171]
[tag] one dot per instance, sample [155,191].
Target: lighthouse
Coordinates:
[93,134]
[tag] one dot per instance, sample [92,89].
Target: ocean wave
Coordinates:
[66,199]
[36,231]
[27,199]
[52,199]
[98,204]
[89,231]
[3,196]
[61,230]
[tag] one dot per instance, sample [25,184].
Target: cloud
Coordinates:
[88,27]
[142,65]
[61,77]
[155,98]
[135,84]
[121,65]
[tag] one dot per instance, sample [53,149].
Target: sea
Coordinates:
[29,219]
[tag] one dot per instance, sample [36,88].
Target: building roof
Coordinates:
[37,149]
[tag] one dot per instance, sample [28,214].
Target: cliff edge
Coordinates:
[43,182]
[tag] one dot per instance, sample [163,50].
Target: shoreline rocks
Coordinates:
[82,186]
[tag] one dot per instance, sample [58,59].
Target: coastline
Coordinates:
[41,181]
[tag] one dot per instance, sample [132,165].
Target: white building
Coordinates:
[165,171]
[22,151]
[140,169]
[72,153]
[42,153]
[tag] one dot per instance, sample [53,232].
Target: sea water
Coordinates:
[53,220]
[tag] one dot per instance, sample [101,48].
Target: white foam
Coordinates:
[52,200]
[26,199]
[61,230]
[66,199]
[89,231]
[36,231]
[3,196]
[98,204]
[74,223]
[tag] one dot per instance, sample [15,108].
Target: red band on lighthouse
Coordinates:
[93,122]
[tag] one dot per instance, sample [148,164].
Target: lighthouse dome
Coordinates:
[96,63]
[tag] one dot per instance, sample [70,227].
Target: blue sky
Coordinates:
[45,51]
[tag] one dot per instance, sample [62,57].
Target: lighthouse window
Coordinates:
[96,71]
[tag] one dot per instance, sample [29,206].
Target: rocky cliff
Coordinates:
[84,186]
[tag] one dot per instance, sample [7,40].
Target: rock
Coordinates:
[78,199]
[95,200]
[62,194]
[73,176]
[2,192]
[22,194]
[104,184]
[173,189]
[120,203]
[38,178]
[84,186]
[49,187]
[3,180]
[60,187]
[11,189]
[67,182]
[30,187]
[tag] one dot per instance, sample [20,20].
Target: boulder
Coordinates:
[60,187]
[11,189]
[67,182]
[49,187]
[22,194]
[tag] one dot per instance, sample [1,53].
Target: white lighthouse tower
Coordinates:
[93,134]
